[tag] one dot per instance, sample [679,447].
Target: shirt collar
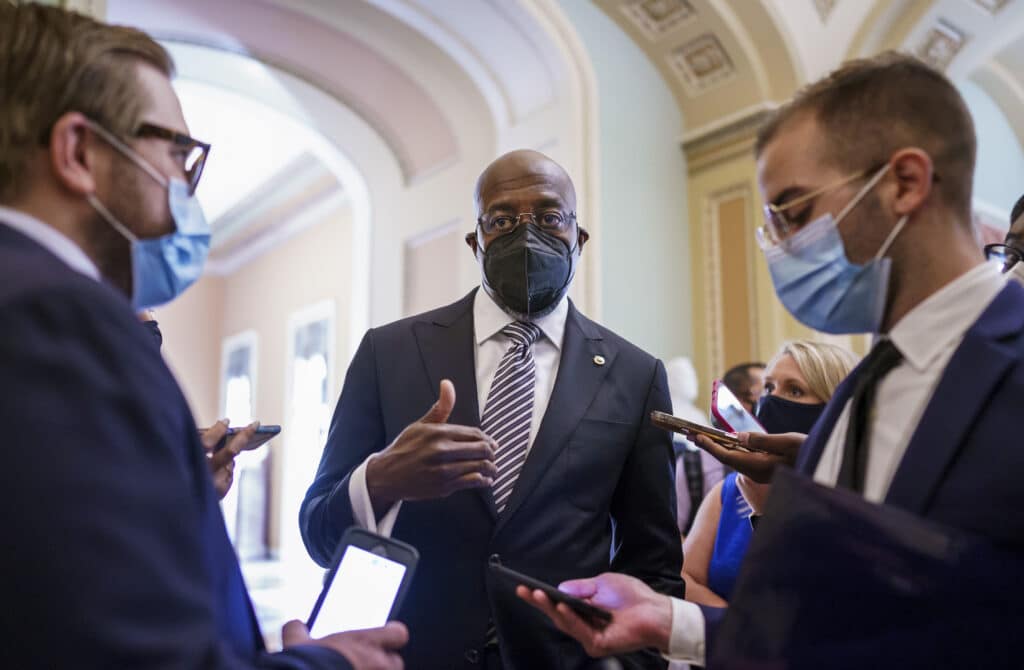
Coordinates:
[51,239]
[489,319]
[943,318]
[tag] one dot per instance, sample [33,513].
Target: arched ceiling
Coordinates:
[721,59]
[413,97]
[977,40]
[726,57]
[391,100]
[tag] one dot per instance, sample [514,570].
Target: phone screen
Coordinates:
[729,410]
[361,595]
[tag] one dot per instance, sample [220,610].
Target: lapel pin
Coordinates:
[598,360]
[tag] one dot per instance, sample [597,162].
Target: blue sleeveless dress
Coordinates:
[731,541]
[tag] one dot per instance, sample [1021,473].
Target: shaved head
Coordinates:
[522,169]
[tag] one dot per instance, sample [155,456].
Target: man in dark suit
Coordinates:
[545,460]
[115,550]
[927,422]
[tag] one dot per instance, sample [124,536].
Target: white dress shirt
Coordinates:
[927,337]
[491,345]
[50,238]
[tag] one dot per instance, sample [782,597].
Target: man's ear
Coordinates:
[471,242]
[583,237]
[73,153]
[914,174]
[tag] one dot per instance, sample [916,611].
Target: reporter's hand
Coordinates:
[641,618]
[222,463]
[431,459]
[769,451]
[373,649]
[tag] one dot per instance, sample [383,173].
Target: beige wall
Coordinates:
[306,269]
[193,328]
[431,269]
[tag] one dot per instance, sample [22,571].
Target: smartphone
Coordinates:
[680,425]
[263,435]
[365,585]
[595,616]
[730,412]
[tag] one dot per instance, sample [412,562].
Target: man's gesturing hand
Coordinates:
[431,459]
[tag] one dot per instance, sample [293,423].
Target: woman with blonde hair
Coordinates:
[798,381]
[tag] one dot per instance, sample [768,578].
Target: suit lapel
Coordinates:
[812,449]
[578,380]
[446,346]
[977,366]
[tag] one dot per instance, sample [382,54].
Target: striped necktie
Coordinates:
[508,413]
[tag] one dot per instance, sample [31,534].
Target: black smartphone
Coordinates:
[365,585]
[263,435]
[595,616]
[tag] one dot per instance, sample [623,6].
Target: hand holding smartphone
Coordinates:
[263,435]
[595,616]
[366,584]
[684,426]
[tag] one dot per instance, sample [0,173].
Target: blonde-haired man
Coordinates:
[115,554]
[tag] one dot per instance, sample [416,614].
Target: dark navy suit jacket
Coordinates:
[596,492]
[114,550]
[965,460]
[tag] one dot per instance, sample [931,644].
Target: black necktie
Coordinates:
[882,359]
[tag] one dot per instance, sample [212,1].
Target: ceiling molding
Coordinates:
[390,99]
[291,188]
[716,56]
[1006,90]
[887,26]
[755,60]
[315,212]
[727,138]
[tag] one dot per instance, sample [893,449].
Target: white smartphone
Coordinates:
[365,586]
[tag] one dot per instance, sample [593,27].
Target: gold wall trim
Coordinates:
[714,279]
[732,138]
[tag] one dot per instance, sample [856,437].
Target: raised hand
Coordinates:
[431,458]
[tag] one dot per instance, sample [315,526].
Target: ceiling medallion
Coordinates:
[701,64]
[655,18]
[941,44]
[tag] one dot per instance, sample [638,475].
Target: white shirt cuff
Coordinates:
[686,643]
[362,507]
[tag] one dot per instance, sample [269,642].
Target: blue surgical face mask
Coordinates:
[818,284]
[162,267]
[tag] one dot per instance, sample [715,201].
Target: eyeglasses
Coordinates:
[194,152]
[779,226]
[1005,254]
[552,221]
